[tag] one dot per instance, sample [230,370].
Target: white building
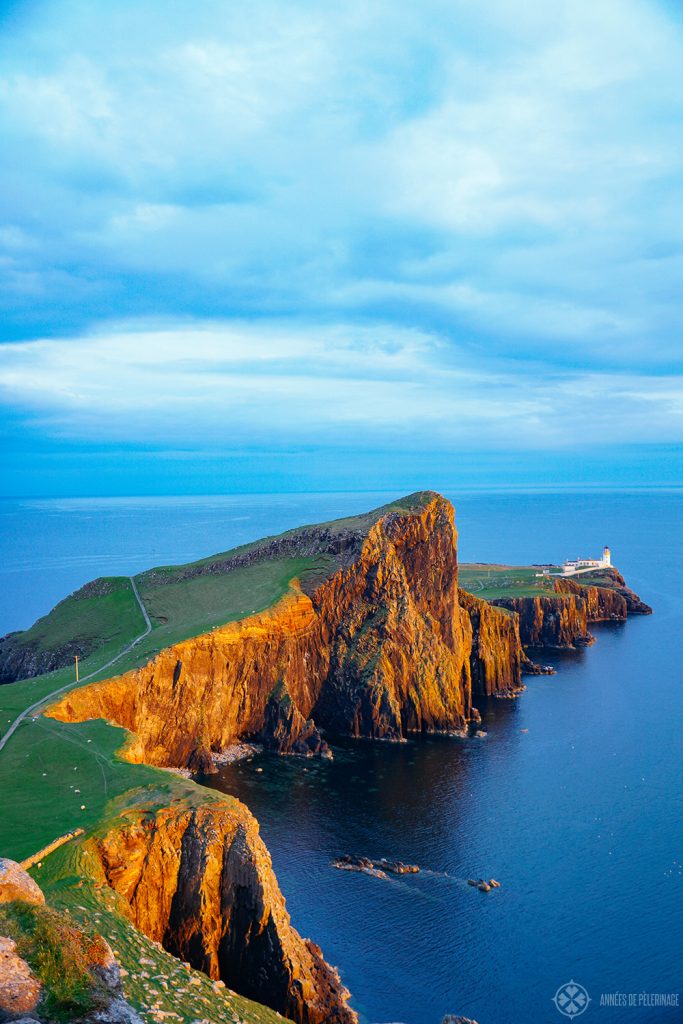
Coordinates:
[575,565]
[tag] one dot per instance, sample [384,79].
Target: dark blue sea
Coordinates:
[574,800]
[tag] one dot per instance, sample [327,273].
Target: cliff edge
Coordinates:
[381,647]
[199,880]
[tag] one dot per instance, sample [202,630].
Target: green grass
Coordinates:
[99,621]
[50,769]
[182,608]
[498,581]
[57,952]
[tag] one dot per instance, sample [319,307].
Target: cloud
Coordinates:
[445,221]
[202,384]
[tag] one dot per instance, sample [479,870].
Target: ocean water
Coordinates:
[574,800]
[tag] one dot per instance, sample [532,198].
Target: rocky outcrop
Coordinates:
[497,659]
[37,945]
[381,648]
[21,660]
[550,620]
[562,619]
[602,603]
[287,731]
[200,882]
[613,580]
[20,990]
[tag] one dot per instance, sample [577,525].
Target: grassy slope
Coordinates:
[105,618]
[494,581]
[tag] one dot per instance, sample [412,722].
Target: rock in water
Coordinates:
[350,862]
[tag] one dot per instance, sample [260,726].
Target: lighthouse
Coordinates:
[606,557]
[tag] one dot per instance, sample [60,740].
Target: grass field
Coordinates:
[181,608]
[98,619]
[496,581]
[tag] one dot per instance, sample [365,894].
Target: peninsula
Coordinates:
[363,627]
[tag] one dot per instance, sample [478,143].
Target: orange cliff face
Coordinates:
[200,881]
[381,648]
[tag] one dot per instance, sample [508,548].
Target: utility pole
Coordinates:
[76,668]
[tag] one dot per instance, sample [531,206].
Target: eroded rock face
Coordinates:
[562,620]
[17,884]
[380,649]
[286,730]
[554,621]
[496,659]
[200,881]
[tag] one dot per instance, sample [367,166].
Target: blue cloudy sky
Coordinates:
[290,244]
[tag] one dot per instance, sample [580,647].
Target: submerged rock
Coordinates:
[379,868]
[482,885]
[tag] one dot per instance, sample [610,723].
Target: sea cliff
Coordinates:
[561,619]
[199,880]
[384,646]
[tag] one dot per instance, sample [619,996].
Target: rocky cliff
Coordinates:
[550,621]
[380,648]
[562,619]
[200,881]
[497,659]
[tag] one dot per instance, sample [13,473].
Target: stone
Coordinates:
[117,1012]
[20,990]
[104,964]
[17,884]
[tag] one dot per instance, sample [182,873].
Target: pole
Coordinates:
[76,668]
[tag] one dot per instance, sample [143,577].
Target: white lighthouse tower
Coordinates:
[606,557]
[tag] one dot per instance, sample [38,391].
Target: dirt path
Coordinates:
[70,686]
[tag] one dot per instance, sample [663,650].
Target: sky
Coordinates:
[302,245]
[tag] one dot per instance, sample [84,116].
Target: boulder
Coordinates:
[17,884]
[103,963]
[20,990]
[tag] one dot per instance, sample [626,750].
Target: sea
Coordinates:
[573,800]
